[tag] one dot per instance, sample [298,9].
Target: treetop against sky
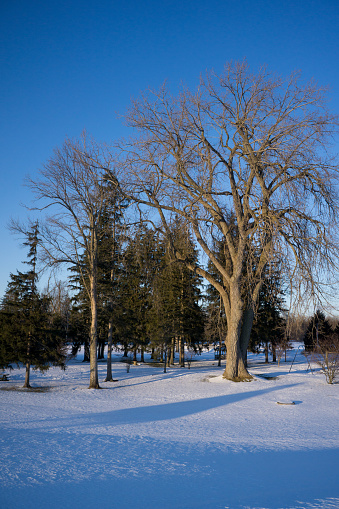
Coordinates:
[67,66]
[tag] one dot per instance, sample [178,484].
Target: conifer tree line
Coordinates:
[192,230]
[144,302]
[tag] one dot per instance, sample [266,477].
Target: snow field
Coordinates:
[184,439]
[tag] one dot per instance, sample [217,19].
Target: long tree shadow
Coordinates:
[155,413]
[169,411]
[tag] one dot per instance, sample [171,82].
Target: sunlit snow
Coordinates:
[181,439]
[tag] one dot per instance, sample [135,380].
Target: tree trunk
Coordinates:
[164,356]
[142,355]
[235,366]
[28,365]
[101,350]
[171,361]
[266,352]
[274,352]
[247,322]
[27,374]
[109,377]
[86,352]
[93,379]
[182,349]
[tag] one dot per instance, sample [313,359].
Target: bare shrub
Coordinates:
[326,355]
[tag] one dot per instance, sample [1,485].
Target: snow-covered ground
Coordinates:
[184,439]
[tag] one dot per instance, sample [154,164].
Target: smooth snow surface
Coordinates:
[184,439]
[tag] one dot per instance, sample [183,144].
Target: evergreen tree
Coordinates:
[111,270]
[142,258]
[269,324]
[72,182]
[177,313]
[159,296]
[110,238]
[318,330]
[80,314]
[27,335]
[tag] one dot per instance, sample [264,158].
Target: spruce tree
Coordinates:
[142,257]
[110,270]
[318,330]
[269,324]
[176,307]
[110,238]
[28,336]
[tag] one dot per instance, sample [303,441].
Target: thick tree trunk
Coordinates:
[93,379]
[247,322]
[109,377]
[235,366]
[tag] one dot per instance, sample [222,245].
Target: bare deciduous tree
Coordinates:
[250,146]
[71,185]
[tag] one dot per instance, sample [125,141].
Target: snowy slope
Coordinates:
[184,439]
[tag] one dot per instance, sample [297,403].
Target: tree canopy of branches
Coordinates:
[253,146]
[72,184]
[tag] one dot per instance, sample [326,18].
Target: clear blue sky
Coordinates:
[70,65]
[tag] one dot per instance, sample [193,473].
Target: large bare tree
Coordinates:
[71,184]
[244,160]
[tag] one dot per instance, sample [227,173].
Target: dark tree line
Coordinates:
[145,301]
[156,302]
